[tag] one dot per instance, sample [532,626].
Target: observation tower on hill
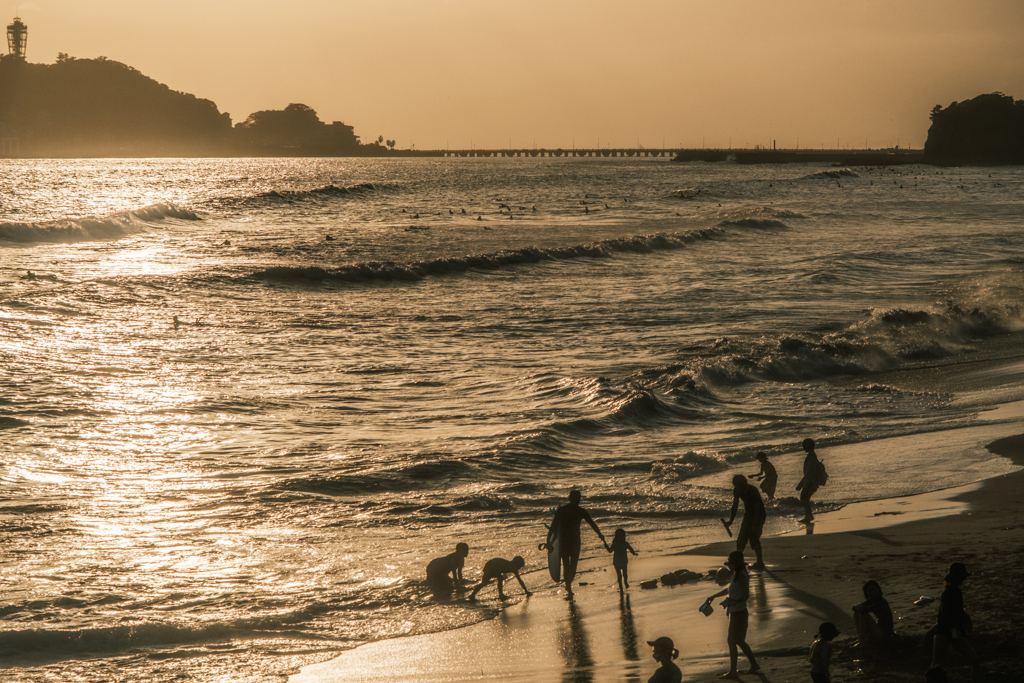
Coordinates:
[17,38]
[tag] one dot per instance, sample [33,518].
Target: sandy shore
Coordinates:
[810,578]
[909,560]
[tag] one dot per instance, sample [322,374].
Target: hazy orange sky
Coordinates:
[551,73]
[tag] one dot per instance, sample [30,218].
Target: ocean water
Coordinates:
[245,401]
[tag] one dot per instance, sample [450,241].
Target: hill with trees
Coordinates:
[101,108]
[985,131]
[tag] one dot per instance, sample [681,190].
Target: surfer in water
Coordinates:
[566,528]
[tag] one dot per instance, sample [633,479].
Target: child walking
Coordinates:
[821,652]
[620,546]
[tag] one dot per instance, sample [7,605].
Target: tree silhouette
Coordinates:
[986,130]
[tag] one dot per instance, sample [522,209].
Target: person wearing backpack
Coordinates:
[814,477]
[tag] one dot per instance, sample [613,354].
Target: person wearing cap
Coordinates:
[821,652]
[953,624]
[664,651]
[735,606]
[754,517]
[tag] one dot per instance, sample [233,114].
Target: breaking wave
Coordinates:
[386,271]
[91,229]
[832,175]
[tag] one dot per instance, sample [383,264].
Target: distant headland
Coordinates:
[103,108]
[985,131]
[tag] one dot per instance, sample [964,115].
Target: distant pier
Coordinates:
[509,153]
[847,157]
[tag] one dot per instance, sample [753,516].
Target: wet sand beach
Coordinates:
[905,544]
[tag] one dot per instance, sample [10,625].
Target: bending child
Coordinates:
[440,568]
[497,569]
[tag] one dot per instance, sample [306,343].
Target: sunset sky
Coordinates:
[553,73]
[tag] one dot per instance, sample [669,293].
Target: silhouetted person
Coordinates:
[29,275]
[767,475]
[821,652]
[664,651]
[873,618]
[443,572]
[567,524]
[809,482]
[936,674]
[753,517]
[620,560]
[735,606]
[497,569]
[953,624]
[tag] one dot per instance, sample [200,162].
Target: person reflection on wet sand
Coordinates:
[628,629]
[575,647]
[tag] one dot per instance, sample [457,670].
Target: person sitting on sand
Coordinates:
[567,525]
[620,546]
[439,569]
[872,633]
[664,651]
[497,569]
[821,652]
[736,609]
[754,517]
[809,483]
[767,475]
[953,624]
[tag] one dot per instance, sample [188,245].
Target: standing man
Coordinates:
[809,483]
[567,525]
[753,517]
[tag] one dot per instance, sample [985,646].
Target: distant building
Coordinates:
[17,38]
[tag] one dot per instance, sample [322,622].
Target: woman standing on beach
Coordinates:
[736,608]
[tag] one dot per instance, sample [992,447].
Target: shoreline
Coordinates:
[809,578]
[824,574]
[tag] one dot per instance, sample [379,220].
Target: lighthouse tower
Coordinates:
[17,38]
